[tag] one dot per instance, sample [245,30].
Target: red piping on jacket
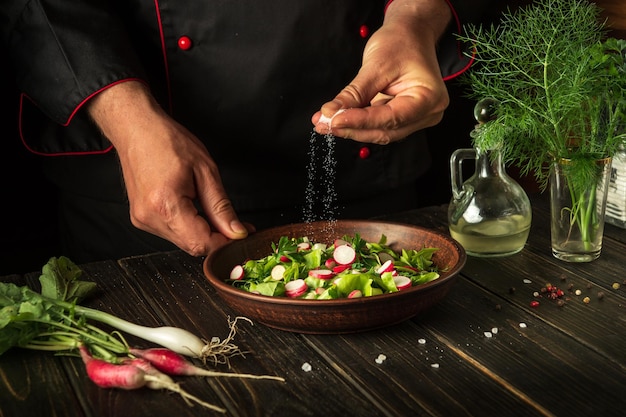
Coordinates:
[23,97]
[460,50]
[157,10]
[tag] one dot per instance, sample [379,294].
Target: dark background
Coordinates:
[28,235]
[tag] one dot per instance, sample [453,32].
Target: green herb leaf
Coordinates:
[59,281]
[559,83]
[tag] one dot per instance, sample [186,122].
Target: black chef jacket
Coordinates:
[245,76]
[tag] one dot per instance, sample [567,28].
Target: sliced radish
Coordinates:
[237,273]
[295,288]
[355,294]
[278,272]
[330,263]
[344,255]
[340,242]
[340,268]
[321,273]
[402,282]
[284,258]
[385,267]
[304,246]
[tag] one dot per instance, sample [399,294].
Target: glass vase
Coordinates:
[616,195]
[578,209]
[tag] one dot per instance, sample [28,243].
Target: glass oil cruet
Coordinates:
[490,213]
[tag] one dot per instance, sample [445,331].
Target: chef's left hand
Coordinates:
[399,88]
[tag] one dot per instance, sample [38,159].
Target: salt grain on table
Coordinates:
[522,325]
[380,359]
[306,367]
[421,341]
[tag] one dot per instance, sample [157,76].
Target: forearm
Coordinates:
[427,19]
[124,112]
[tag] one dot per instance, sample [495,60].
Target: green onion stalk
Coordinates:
[583,213]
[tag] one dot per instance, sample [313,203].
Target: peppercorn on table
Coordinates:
[525,335]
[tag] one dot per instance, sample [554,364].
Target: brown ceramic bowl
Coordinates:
[342,315]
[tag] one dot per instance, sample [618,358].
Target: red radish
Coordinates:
[385,267]
[284,258]
[340,242]
[355,294]
[278,272]
[340,268]
[237,273]
[321,273]
[295,288]
[172,363]
[330,263]
[108,375]
[304,246]
[131,375]
[163,380]
[344,254]
[402,282]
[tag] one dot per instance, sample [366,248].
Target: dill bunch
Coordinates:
[560,84]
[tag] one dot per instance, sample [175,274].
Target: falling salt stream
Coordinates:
[326,180]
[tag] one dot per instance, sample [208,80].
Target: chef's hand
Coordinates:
[165,168]
[399,88]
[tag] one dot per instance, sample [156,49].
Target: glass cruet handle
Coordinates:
[456,170]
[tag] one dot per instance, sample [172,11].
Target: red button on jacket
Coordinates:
[184,43]
[364,31]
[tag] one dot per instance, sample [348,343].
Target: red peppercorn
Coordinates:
[534,304]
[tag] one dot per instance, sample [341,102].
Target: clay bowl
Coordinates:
[343,315]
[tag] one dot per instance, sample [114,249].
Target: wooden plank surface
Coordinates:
[569,359]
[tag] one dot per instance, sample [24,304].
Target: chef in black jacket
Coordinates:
[137,104]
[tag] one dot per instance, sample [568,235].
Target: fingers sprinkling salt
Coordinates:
[329,120]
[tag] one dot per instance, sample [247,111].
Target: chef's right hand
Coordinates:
[165,169]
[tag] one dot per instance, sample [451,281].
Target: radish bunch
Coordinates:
[348,268]
[151,368]
[60,324]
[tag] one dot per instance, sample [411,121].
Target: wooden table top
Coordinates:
[547,360]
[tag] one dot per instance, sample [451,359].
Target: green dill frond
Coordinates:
[561,86]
